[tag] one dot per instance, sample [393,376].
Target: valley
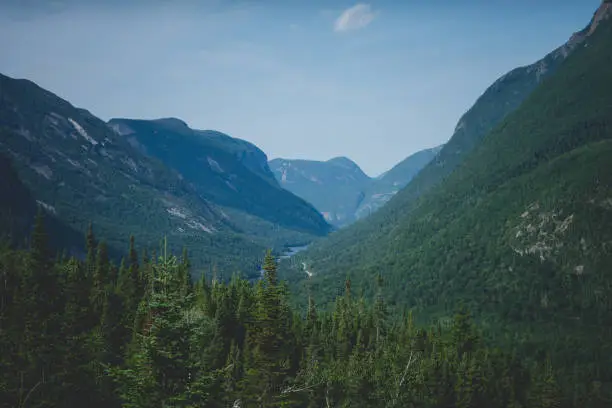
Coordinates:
[158,263]
[507,226]
[118,171]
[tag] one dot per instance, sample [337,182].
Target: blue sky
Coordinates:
[374,81]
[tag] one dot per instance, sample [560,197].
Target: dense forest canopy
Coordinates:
[144,334]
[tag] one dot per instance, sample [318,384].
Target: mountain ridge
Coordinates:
[246,152]
[518,232]
[84,171]
[227,171]
[501,98]
[340,189]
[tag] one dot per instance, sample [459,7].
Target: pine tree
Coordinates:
[311,318]
[268,334]
[380,311]
[162,370]
[101,279]
[39,249]
[130,287]
[463,335]
[184,278]
[546,392]
[91,247]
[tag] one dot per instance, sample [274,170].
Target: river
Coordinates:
[288,253]
[292,251]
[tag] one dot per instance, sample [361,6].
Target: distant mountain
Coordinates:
[340,190]
[335,187]
[83,171]
[404,171]
[382,188]
[229,172]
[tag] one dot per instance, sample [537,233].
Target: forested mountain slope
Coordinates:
[521,230]
[383,188]
[18,209]
[84,172]
[231,173]
[568,93]
[500,99]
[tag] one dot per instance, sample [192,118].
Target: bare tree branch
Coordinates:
[23,404]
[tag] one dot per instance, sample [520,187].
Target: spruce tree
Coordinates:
[268,332]
[101,279]
[91,247]
[41,293]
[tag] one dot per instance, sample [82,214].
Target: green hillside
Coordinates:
[499,100]
[485,283]
[521,231]
[220,169]
[383,188]
[18,209]
[84,172]
[527,138]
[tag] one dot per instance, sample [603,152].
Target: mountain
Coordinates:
[229,172]
[249,155]
[520,230]
[499,100]
[340,190]
[18,210]
[83,171]
[404,171]
[382,188]
[335,187]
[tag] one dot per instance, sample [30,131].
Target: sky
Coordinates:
[373,81]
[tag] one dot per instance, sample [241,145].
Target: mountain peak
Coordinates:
[174,123]
[343,161]
[602,13]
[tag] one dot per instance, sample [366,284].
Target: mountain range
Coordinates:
[206,191]
[511,218]
[340,190]
[124,177]
[229,172]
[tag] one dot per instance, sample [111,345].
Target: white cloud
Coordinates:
[354,18]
